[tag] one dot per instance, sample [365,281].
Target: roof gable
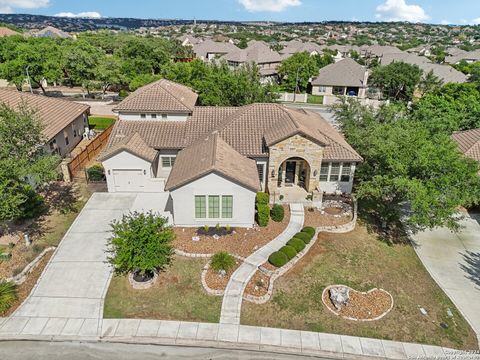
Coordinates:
[133,144]
[468,142]
[346,72]
[161,95]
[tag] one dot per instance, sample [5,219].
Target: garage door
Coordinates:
[128,180]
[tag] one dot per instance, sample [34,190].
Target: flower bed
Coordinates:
[258,284]
[329,216]
[240,241]
[215,281]
[362,306]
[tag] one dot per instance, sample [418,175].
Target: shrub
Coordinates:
[37,248]
[96,173]
[222,261]
[289,251]
[262,198]
[277,213]
[278,259]
[298,244]
[263,215]
[8,295]
[123,93]
[141,243]
[309,230]
[303,236]
[34,206]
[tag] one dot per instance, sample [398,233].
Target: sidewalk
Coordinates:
[160,332]
[232,300]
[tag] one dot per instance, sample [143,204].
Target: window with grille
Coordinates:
[143,116]
[227,207]
[214,206]
[168,161]
[200,207]
[261,171]
[154,116]
[324,171]
[335,172]
[346,172]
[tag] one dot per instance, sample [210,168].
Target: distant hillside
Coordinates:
[80,24]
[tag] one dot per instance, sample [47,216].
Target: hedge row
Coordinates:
[293,247]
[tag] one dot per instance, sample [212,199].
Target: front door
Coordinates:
[290,172]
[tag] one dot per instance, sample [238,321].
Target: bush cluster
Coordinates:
[262,198]
[289,251]
[309,230]
[96,173]
[303,236]
[222,261]
[263,210]
[278,259]
[298,244]
[277,213]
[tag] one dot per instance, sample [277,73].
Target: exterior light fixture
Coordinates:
[273,173]
[315,173]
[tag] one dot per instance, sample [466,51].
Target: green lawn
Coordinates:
[100,123]
[360,260]
[315,99]
[177,295]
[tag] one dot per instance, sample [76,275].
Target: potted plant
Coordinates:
[141,246]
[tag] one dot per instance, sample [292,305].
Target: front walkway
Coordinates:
[68,297]
[453,260]
[232,300]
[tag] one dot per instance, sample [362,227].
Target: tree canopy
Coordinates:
[22,161]
[397,81]
[296,71]
[407,165]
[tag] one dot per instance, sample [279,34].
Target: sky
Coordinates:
[424,11]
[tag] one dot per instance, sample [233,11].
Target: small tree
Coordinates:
[297,70]
[141,243]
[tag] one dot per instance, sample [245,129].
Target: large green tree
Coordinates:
[297,70]
[23,161]
[406,166]
[397,81]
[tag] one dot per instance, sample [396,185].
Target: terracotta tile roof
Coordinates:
[346,72]
[247,129]
[469,143]
[296,46]
[4,31]
[212,47]
[51,31]
[157,134]
[133,144]
[54,113]
[162,95]
[212,155]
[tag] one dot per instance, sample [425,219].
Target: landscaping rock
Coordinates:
[339,296]
[195,238]
[423,311]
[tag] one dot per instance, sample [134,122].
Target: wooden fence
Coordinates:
[92,150]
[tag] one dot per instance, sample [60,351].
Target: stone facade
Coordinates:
[296,146]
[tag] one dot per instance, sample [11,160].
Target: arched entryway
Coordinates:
[294,171]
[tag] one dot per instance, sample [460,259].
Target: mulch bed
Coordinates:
[362,306]
[258,284]
[314,218]
[241,241]
[24,289]
[217,282]
[269,266]
[21,257]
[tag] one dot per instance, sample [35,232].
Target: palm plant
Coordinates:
[8,295]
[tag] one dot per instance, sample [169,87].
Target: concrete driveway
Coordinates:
[68,298]
[453,260]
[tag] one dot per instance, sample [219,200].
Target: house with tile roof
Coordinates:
[64,121]
[213,160]
[468,142]
[343,78]
[4,31]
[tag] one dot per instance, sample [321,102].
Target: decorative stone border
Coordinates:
[360,292]
[142,285]
[20,278]
[192,255]
[338,204]
[209,290]
[274,275]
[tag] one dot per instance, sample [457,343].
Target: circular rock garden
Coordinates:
[354,305]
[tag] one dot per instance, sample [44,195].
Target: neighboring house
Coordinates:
[4,31]
[296,46]
[260,54]
[469,143]
[209,50]
[343,78]
[188,40]
[213,160]
[469,57]
[446,73]
[52,32]
[64,121]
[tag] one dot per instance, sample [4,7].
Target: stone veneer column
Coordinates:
[295,146]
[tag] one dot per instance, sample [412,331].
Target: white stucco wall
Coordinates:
[213,184]
[127,161]
[79,125]
[148,117]
[162,172]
